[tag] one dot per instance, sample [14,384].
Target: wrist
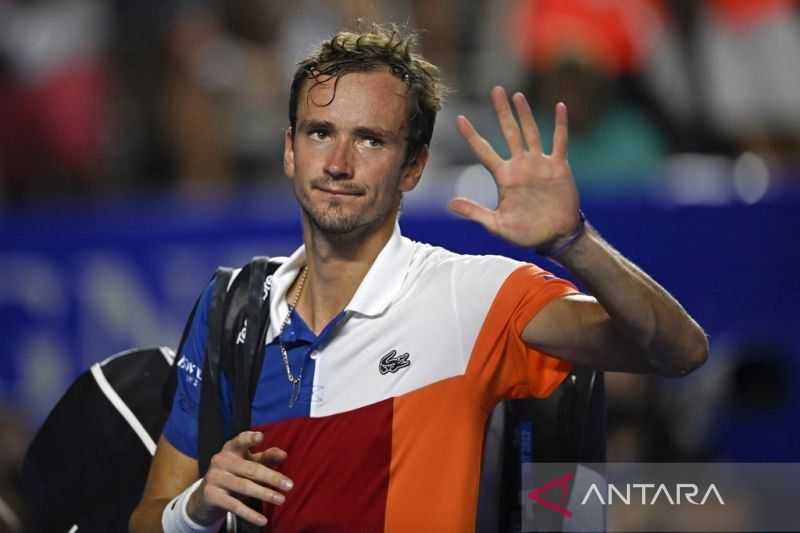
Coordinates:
[177,519]
[558,246]
[195,510]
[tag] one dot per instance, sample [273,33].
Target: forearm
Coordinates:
[172,515]
[146,518]
[639,308]
[171,472]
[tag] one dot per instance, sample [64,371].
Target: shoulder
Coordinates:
[476,279]
[439,263]
[468,283]
[427,257]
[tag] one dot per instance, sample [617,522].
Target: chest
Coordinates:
[370,359]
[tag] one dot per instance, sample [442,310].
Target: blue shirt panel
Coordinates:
[271,402]
[181,426]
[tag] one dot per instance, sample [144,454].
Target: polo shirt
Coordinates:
[396,391]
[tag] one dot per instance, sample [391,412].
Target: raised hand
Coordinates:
[537,198]
[236,472]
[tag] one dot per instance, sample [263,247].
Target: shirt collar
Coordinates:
[379,288]
[382,284]
[281,281]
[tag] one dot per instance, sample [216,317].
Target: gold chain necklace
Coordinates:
[294,381]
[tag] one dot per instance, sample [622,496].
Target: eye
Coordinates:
[318,135]
[373,142]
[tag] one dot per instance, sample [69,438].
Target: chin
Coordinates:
[342,220]
[333,221]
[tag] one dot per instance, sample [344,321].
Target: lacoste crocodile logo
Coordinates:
[391,362]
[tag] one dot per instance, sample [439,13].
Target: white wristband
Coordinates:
[175,519]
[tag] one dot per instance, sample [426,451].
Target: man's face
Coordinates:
[347,153]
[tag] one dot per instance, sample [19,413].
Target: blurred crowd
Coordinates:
[106,97]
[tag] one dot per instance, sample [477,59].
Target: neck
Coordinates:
[336,266]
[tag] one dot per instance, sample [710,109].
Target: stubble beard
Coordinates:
[332,220]
[335,220]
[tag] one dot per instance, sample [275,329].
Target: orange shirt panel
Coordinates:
[438,431]
[437,440]
[501,362]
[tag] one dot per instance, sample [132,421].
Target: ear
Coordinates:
[288,152]
[413,171]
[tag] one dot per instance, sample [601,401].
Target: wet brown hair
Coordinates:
[364,51]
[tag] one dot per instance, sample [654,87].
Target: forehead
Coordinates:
[356,99]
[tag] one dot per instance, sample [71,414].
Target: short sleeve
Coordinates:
[500,360]
[181,426]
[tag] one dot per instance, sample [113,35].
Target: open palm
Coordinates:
[537,197]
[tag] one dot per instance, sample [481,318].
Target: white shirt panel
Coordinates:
[434,317]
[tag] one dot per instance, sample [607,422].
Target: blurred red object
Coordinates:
[613,35]
[745,14]
[72,116]
[54,126]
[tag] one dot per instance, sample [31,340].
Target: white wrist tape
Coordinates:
[175,519]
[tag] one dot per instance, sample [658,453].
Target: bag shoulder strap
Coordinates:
[238,322]
[243,354]
[245,350]
[211,428]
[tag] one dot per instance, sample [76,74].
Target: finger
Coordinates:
[270,457]
[473,211]
[242,468]
[242,442]
[223,500]
[508,124]
[560,135]
[480,147]
[529,128]
[244,487]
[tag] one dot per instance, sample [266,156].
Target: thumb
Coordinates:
[270,457]
[473,211]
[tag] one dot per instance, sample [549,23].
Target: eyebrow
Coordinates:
[306,125]
[379,133]
[361,131]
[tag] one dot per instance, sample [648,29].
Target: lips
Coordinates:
[339,192]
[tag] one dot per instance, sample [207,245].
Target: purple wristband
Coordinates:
[552,251]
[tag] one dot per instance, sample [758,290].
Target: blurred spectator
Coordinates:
[97,97]
[227,83]
[53,87]
[577,51]
[194,84]
[748,54]
[221,83]
[727,72]
[139,154]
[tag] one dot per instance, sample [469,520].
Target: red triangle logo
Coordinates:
[561,482]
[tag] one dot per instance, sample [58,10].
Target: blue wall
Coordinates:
[80,282]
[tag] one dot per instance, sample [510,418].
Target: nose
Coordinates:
[339,164]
